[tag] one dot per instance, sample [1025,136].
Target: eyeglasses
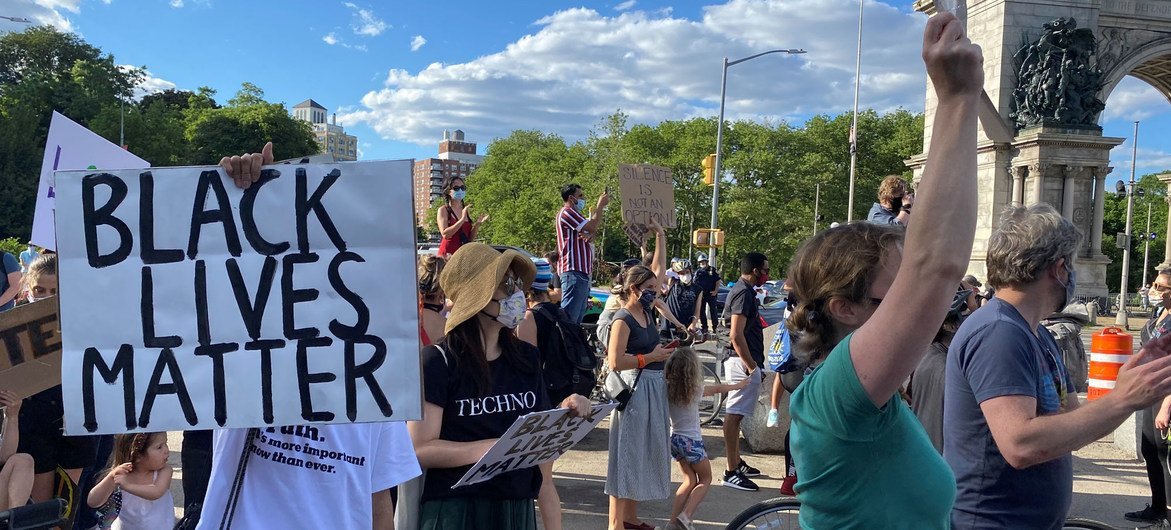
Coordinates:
[1156,288]
[459,188]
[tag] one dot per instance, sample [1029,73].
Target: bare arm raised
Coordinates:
[939,242]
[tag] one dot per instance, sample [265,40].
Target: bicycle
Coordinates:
[773,514]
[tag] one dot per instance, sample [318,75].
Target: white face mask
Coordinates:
[512,310]
[685,278]
[32,298]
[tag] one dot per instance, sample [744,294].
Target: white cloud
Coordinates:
[367,23]
[580,65]
[149,83]
[40,12]
[1134,99]
[417,43]
[332,39]
[625,5]
[176,3]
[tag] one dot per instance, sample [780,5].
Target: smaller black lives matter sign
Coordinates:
[534,439]
[188,303]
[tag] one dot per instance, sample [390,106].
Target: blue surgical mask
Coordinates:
[647,299]
[459,194]
[580,205]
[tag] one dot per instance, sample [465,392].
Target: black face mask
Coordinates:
[896,204]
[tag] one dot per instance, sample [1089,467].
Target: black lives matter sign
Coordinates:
[187,302]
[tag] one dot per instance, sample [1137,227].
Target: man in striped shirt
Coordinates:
[575,236]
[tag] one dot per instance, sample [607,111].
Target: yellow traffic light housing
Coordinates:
[707,238]
[709,169]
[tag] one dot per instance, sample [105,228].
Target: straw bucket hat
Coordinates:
[472,275]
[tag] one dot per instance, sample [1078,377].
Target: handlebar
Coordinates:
[39,516]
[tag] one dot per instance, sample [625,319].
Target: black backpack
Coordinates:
[568,357]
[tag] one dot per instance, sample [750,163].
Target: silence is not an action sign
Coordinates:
[188,303]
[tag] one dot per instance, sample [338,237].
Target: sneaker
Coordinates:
[1146,515]
[676,524]
[734,479]
[747,470]
[787,485]
[773,418]
[639,526]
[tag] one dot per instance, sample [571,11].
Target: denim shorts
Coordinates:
[687,448]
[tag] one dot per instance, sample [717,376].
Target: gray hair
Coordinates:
[1026,242]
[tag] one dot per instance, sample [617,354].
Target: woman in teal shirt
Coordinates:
[868,305]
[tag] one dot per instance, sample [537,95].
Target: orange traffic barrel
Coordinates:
[1109,350]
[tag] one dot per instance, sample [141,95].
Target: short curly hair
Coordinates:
[1026,242]
[892,187]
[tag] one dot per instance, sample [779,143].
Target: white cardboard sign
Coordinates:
[534,439]
[71,146]
[188,303]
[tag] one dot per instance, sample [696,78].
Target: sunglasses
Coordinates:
[511,284]
[459,188]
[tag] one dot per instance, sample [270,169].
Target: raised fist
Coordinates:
[954,64]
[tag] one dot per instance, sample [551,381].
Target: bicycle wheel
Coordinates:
[1077,523]
[709,406]
[773,514]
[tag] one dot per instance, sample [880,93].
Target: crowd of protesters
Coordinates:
[920,401]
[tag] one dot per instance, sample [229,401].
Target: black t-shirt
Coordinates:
[468,417]
[682,299]
[707,278]
[742,301]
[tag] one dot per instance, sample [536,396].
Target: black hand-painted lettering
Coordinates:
[216,352]
[252,311]
[92,218]
[365,371]
[265,346]
[146,225]
[202,319]
[222,213]
[291,296]
[148,316]
[248,217]
[39,333]
[306,378]
[176,386]
[123,366]
[359,328]
[306,203]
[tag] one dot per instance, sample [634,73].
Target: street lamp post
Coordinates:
[720,136]
[1123,318]
[854,123]
[17,19]
[816,205]
[1147,238]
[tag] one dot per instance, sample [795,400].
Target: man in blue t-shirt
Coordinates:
[9,280]
[1011,415]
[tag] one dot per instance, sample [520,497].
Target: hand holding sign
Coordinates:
[10,402]
[245,169]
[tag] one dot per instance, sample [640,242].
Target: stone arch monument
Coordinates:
[1048,68]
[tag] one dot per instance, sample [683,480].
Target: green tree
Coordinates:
[1114,222]
[42,70]
[244,126]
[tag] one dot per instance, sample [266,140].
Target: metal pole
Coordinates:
[854,124]
[1147,246]
[1123,319]
[719,158]
[816,205]
[121,123]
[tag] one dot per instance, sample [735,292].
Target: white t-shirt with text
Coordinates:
[309,476]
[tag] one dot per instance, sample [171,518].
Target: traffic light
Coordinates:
[709,169]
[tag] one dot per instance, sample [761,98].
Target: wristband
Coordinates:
[641,360]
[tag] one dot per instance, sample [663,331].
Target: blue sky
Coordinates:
[400,73]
